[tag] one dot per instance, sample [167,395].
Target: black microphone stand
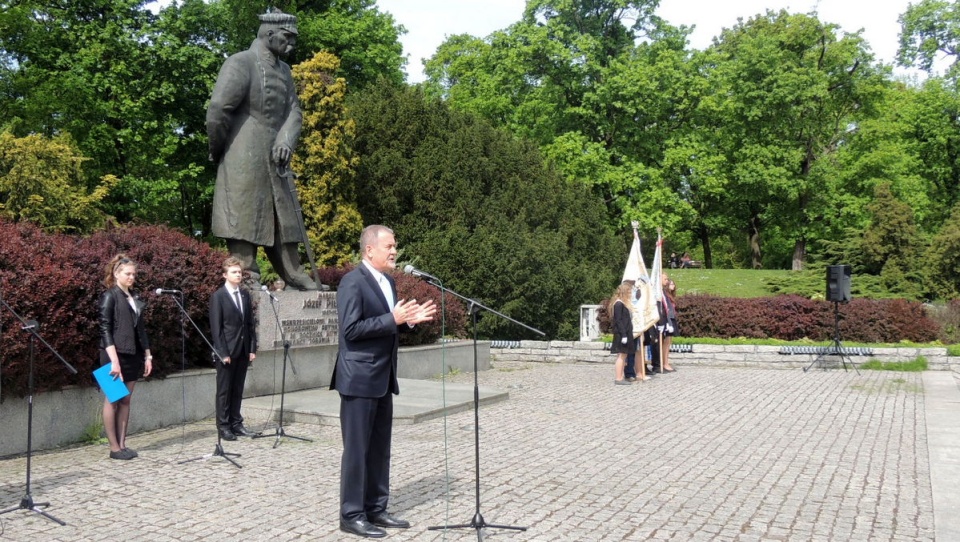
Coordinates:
[283,379]
[26,503]
[474,307]
[218,450]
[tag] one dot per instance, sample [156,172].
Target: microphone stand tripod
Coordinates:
[474,307]
[283,379]
[26,503]
[218,450]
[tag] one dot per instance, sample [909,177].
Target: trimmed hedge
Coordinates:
[409,287]
[792,317]
[57,280]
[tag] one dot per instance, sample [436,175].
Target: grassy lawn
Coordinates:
[724,282]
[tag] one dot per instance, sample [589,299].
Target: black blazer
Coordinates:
[120,325]
[368,337]
[232,332]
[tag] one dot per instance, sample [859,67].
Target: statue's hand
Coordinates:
[281,155]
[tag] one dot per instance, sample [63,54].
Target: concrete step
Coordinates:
[419,400]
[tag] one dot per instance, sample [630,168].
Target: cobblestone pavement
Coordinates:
[702,454]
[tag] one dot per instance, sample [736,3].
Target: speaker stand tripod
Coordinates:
[836,348]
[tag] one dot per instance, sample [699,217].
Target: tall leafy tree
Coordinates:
[931,33]
[599,84]
[790,91]
[127,85]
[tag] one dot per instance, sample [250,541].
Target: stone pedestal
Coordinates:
[306,319]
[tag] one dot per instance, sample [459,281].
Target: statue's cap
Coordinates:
[278,20]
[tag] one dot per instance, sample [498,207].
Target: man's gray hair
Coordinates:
[370,234]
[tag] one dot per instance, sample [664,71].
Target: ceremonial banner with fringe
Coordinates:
[645,313]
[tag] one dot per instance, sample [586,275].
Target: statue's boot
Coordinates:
[286,262]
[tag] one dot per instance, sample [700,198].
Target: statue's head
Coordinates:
[279,31]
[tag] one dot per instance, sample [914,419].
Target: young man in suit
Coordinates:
[370,318]
[235,340]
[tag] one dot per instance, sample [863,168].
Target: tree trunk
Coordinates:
[756,256]
[799,254]
[705,242]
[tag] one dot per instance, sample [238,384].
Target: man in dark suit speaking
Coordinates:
[235,340]
[365,375]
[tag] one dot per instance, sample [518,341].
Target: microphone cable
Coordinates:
[183,381]
[277,332]
[443,403]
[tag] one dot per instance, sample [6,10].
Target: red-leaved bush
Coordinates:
[57,280]
[452,320]
[791,317]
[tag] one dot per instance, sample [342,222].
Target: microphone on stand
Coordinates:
[411,270]
[159,291]
[269,293]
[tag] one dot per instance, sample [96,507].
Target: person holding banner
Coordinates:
[124,345]
[622,320]
[668,327]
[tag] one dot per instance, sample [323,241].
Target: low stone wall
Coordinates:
[707,354]
[64,417]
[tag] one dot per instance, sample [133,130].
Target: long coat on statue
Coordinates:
[253,108]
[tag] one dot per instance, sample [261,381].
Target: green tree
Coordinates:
[892,245]
[41,181]
[944,258]
[930,28]
[600,85]
[479,208]
[128,86]
[788,92]
[325,162]
[366,40]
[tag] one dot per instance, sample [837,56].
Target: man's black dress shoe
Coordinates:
[363,528]
[227,434]
[240,430]
[384,519]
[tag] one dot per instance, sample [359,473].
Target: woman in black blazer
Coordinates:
[622,320]
[124,345]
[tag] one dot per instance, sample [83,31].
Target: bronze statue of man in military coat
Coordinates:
[253,123]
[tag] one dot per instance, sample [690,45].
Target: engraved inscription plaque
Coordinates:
[307,319]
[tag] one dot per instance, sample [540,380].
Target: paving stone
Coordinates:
[706,453]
